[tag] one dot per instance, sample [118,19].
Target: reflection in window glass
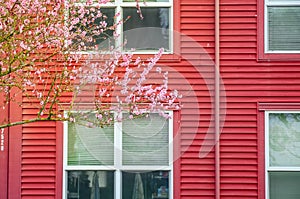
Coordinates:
[151,32]
[284,136]
[90,184]
[147,185]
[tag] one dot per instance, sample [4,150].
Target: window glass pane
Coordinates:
[151,32]
[146,141]
[284,28]
[90,184]
[284,185]
[90,146]
[284,139]
[97,34]
[146,185]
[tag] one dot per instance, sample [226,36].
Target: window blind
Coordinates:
[145,141]
[90,146]
[284,28]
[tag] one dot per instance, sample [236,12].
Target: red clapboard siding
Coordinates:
[245,81]
[38,158]
[197,174]
[238,143]
[3,153]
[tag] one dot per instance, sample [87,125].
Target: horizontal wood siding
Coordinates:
[238,143]
[245,82]
[197,174]
[38,158]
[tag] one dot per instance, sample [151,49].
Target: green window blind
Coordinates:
[145,141]
[90,146]
[284,28]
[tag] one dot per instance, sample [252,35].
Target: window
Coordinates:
[282,26]
[282,155]
[145,35]
[130,159]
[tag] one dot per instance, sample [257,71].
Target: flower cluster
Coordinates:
[40,58]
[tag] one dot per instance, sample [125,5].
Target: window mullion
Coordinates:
[147,4]
[284,169]
[119,27]
[118,158]
[118,184]
[282,3]
[118,145]
[170,138]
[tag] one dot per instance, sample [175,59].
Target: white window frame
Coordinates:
[118,167]
[269,168]
[119,4]
[266,31]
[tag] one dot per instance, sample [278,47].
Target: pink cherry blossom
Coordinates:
[41,57]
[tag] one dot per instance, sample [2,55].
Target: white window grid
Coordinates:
[119,4]
[269,168]
[278,3]
[118,168]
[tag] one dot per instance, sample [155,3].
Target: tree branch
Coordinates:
[31,121]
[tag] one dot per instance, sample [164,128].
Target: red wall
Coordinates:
[247,82]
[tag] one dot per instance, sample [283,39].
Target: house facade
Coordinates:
[237,64]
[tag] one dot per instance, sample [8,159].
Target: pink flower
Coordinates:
[103,1]
[103,24]
[26,21]
[24,46]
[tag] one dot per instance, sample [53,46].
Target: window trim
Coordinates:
[269,168]
[261,108]
[174,54]
[262,36]
[117,167]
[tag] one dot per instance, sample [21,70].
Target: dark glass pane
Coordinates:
[151,32]
[284,28]
[147,185]
[92,40]
[284,185]
[90,184]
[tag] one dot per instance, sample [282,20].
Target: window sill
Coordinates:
[280,57]
[165,58]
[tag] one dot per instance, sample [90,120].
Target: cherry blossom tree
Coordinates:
[42,65]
